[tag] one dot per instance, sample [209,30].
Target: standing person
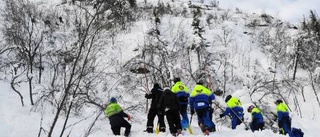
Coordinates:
[234,108]
[200,100]
[155,95]
[257,122]
[182,93]
[284,120]
[169,105]
[116,117]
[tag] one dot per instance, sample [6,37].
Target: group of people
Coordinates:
[173,103]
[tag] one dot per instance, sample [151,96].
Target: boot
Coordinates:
[179,132]
[206,132]
[149,130]
[162,129]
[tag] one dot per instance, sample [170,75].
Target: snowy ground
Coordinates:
[17,121]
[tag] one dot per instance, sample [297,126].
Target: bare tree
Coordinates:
[226,39]
[24,37]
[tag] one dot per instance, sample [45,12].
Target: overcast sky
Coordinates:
[289,10]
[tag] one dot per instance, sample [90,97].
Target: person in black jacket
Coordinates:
[155,95]
[169,105]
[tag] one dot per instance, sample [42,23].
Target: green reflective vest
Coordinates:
[234,102]
[178,86]
[199,89]
[255,110]
[282,107]
[112,108]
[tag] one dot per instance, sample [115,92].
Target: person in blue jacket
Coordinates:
[182,93]
[234,108]
[200,101]
[257,122]
[284,120]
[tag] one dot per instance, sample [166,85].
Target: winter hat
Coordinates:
[113,100]
[200,82]
[228,98]
[175,80]
[278,101]
[156,85]
[250,108]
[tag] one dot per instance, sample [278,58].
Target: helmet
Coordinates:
[278,101]
[113,100]
[200,82]
[228,98]
[175,80]
[250,108]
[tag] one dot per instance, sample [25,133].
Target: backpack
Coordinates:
[297,132]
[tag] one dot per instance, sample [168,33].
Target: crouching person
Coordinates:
[284,120]
[257,122]
[116,117]
[234,108]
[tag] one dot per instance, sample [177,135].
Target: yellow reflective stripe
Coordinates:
[282,107]
[112,109]
[179,87]
[233,102]
[255,110]
[199,89]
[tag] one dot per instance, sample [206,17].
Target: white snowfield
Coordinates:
[18,121]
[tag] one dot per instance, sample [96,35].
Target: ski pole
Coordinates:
[247,127]
[189,127]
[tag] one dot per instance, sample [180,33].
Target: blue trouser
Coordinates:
[285,125]
[204,118]
[236,121]
[184,115]
[256,126]
[236,115]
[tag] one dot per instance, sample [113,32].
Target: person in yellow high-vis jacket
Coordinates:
[116,118]
[284,120]
[257,122]
[182,92]
[234,108]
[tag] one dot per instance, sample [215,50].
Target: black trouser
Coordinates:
[256,126]
[125,124]
[173,118]
[151,115]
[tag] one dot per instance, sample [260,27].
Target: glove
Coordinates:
[221,115]
[146,95]
[129,117]
[192,111]
[210,109]
[246,128]
[160,112]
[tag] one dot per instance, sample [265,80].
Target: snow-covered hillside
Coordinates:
[240,61]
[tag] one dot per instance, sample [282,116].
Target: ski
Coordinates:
[190,130]
[157,129]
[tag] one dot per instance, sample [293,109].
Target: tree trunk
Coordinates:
[296,61]
[15,90]
[30,90]
[57,114]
